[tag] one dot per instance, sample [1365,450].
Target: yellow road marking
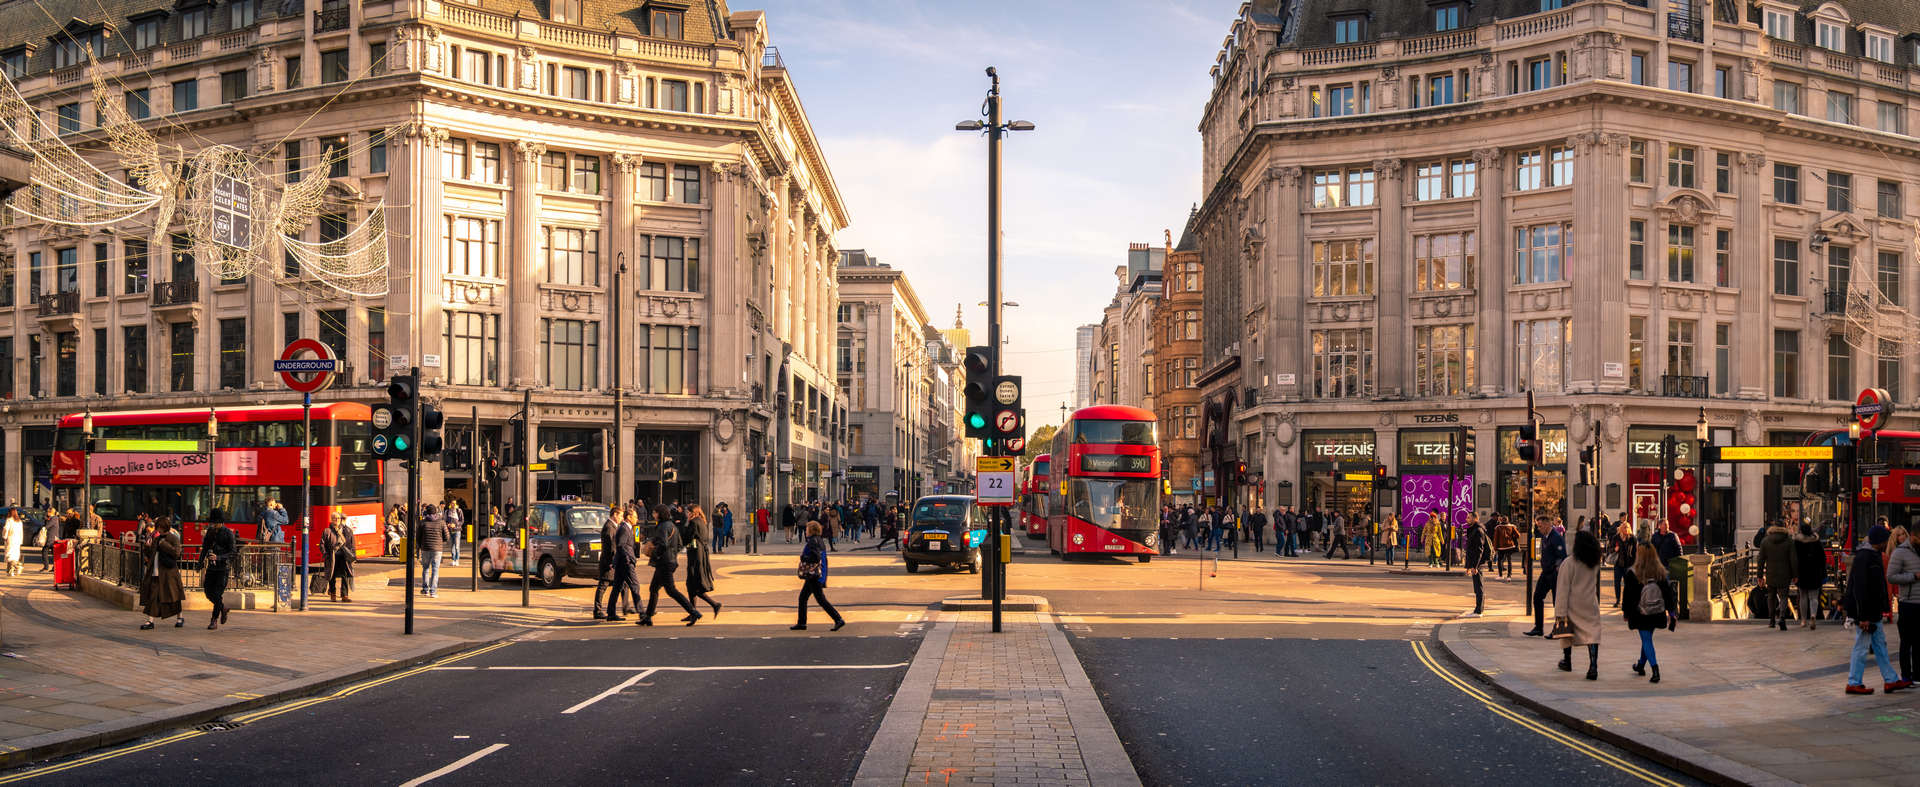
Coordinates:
[1426,658]
[245,718]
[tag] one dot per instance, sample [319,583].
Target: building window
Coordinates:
[1839,366]
[1830,36]
[146,33]
[1450,179]
[573,84]
[333,150]
[1343,363]
[1680,76]
[673,95]
[586,174]
[1446,17]
[665,23]
[1839,106]
[674,264]
[1786,266]
[133,343]
[1538,252]
[473,348]
[1680,346]
[1349,29]
[573,354]
[66,272]
[332,325]
[233,86]
[1722,358]
[68,117]
[1722,258]
[573,255]
[1722,82]
[100,276]
[473,246]
[139,106]
[333,66]
[1786,364]
[1786,97]
[181,376]
[240,14]
[1637,68]
[653,182]
[186,95]
[1888,192]
[35,359]
[376,343]
[1343,188]
[1543,168]
[1540,353]
[1637,161]
[1444,262]
[1440,90]
[1680,252]
[670,360]
[377,57]
[1190,320]
[1839,192]
[14,64]
[233,353]
[294,76]
[376,152]
[1886,368]
[66,363]
[1723,172]
[1786,184]
[1343,268]
[71,49]
[193,22]
[1636,249]
[1443,360]
[1680,160]
[1888,276]
[1539,73]
[686,182]
[290,153]
[134,263]
[1779,24]
[1340,100]
[1839,274]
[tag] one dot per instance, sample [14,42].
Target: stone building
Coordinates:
[607,205]
[1176,351]
[900,378]
[1122,371]
[1649,217]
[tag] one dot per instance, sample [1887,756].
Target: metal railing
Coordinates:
[55,304]
[331,19]
[1683,385]
[1685,27]
[1835,301]
[1729,572]
[771,58]
[256,566]
[178,292]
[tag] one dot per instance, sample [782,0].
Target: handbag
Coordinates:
[1562,629]
[810,570]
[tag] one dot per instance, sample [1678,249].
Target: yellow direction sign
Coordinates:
[1771,453]
[993,464]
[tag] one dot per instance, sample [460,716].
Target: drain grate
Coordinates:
[220,726]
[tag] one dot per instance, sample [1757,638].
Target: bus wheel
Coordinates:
[487,571]
[1146,558]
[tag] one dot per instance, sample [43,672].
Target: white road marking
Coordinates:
[627,684]
[698,669]
[457,765]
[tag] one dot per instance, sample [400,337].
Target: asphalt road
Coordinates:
[765,723]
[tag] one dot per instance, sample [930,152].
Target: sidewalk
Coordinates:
[984,708]
[1736,702]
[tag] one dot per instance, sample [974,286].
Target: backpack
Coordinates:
[1652,602]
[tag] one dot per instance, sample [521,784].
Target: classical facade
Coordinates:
[1123,366]
[1176,352]
[1648,217]
[899,378]
[619,209]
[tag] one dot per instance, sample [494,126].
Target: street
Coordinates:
[1300,671]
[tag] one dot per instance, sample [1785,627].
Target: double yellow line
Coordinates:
[246,718]
[1420,652]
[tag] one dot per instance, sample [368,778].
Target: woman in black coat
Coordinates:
[1647,568]
[219,548]
[699,565]
[664,557]
[1812,574]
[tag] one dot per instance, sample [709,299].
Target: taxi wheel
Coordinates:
[549,574]
[487,571]
[973,567]
[912,567]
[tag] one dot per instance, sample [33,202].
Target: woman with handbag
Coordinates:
[813,578]
[219,548]
[161,592]
[1576,603]
[1650,606]
[699,565]
[336,547]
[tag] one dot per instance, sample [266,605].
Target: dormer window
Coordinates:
[1880,47]
[146,32]
[1779,24]
[1447,17]
[1830,36]
[665,21]
[193,23]
[568,11]
[71,48]
[1349,29]
[14,62]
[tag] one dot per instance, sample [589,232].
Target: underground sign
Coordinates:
[306,365]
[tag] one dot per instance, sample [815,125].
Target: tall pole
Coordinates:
[526,490]
[1527,562]
[413,494]
[86,471]
[994,132]
[306,492]
[480,491]
[612,449]
[213,463]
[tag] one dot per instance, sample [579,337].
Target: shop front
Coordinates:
[1425,456]
[1549,476]
[574,471]
[666,466]
[1786,489]
[1336,470]
[1648,491]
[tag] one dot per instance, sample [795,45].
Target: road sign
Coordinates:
[1007,392]
[1873,408]
[303,374]
[1770,453]
[1017,445]
[994,487]
[1006,420]
[380,444]
[537,467]
[1871,469]
[993,464]
[382,418]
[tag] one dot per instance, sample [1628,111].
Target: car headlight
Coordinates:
[1079,539]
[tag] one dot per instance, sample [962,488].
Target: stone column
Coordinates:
[1494,348]
[729,283]
[1287,285]
[1753,331]
[523,288]
[16,469]
[780,259]
[1393,272]
[1598,271]
[624,246]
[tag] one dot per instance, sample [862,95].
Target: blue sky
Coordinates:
[1116,90]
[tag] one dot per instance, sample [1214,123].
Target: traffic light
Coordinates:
[979,392]
[1589,472]
[1529,443]
[514,453]
[1240,470]
[430,442]
[668,473]
[393,421]
[1382,481]
[1008,420]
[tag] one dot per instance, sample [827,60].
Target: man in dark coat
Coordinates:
[624,553]
[1479,554]
[1257,523]
[664,557]
[1553,550]
[610,576]
[1867,605]
[431,536]
[1779,562]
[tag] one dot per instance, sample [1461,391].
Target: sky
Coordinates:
[1115,90]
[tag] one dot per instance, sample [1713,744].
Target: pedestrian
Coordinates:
[396,529]
[618,543]
[1576,603]
[1778,566]
[663,554]
[15,534]
[161,592]
[1297,540]
[723,532]
[1866,605]
[813,579]
[1620,544]
[456,518]
[1257,524]
[1553,551]
[1506,544]
[219,550]
[1903,570]
[699,562]
[1338,538]
[833,529]
[430,537]
[1432,538]
[272,524]
[1479,555]
[50,532]
[1810,576]
[1651,606]
[1189,528]
[336,554]
[787,521]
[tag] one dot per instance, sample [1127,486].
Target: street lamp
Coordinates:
[1700,484]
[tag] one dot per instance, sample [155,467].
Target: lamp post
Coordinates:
[1700,483]
[995,131]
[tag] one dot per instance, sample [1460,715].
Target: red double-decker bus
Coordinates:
[1033,499]
[257,459]
[1104,495]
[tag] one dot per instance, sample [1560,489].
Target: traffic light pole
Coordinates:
[306,494]
[413,496]
[527,488]
[994,133]
[1526,562]
[480,473]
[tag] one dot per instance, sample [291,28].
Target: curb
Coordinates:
[46,746]
[890,754]
[1677,755]
[1010,604]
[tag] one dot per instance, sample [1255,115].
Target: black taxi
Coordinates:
[563,537]
[945,530]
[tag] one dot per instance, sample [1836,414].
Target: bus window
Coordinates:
[1113,432]
[1114,504]
[359,475]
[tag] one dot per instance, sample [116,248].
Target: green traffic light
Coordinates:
[976,420]
[400,444]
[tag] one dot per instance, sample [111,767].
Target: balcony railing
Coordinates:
[179,292]
[1835,302]
[1685,27]
[55,304]
[771,58]
[328,19]
[1685,386]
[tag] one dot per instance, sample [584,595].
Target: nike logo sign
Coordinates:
[548,455]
